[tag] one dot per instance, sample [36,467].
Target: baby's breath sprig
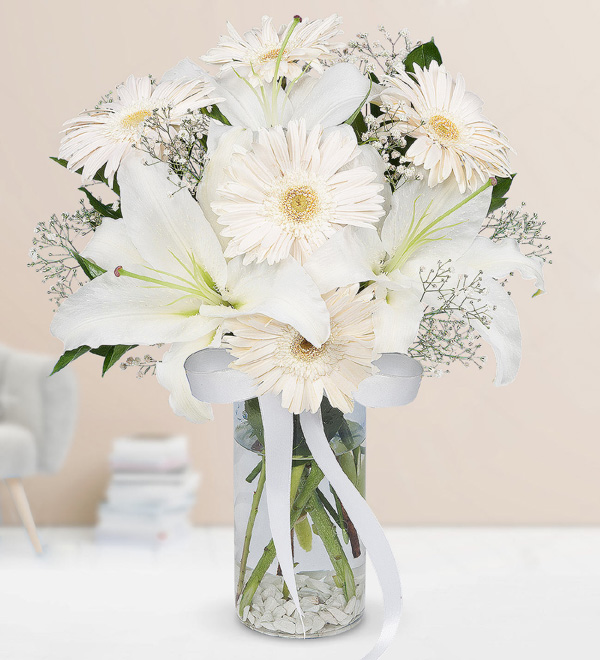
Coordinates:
[54,243]
[145,365]
[446,334]
[381,57]
[183,146]
[524,227]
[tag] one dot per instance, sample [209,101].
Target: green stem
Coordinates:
[252,476]
[305,492]
[326,531]
[276,82]
[339,516]
[250,526]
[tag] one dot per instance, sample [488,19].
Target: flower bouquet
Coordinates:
[311,229]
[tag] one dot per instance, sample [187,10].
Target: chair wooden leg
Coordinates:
[19,497]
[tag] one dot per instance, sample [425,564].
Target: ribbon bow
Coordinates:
[397,382]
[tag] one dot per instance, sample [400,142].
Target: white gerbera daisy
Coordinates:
[452,134]
[282,361]
[105,135]
[292,190]
[254,55]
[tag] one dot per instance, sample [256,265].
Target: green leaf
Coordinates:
[99,176]
[499,192]
[360,126]
[252,409]
[304,534]
[90,268]
[104,210]
[111,354]
[423,55]
[114,354]
[215,113]
[333,418]
[68,356]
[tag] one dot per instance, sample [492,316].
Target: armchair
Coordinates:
[37,420]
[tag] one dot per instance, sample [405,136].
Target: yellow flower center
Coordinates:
[305,351]
[134,119]
[300,203]
[443,128]
[270,54]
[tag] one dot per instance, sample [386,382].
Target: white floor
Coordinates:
[469,594]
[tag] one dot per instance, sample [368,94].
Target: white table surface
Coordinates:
[469,594]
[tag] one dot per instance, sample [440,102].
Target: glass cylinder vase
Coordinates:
[329,558]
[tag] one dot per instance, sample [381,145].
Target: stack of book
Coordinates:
[151,492]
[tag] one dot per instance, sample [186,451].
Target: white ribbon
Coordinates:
[397,382]
[278,427]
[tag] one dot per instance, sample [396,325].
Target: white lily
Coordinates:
[328,100]
[425,227]
[167,281]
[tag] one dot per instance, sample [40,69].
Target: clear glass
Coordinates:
[328,555]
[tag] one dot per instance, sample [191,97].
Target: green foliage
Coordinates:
[104,210]
[111,354]
[99,176]
[215,113]
[499,192]
[68,356]
[89,267]
[360,126]
[423,55]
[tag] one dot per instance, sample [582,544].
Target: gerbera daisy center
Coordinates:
[270,54]
[306,351]
[134,119]
[443,128]
[300,203]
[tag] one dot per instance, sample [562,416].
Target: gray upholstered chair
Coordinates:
[37,419]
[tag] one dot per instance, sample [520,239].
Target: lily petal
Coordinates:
[234,140]
[119,310]
[504,333]
[351,255]
[111,246]
[397,321]
[171,375]
[498,259]
[334,98]
[283,291]
[165,223]
[415,202]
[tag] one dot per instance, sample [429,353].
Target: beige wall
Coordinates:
[465,452]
